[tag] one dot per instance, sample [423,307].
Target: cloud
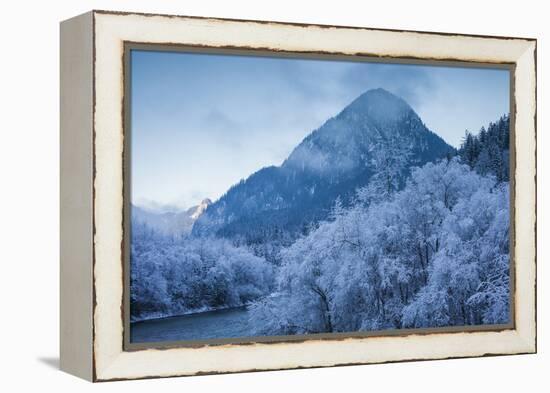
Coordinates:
[221,128]
[407,81]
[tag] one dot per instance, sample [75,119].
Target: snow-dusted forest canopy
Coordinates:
[415,235]
[173,276]
[434,254]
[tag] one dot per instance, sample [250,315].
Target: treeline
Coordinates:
[488,152]
[177,276]
[434,254]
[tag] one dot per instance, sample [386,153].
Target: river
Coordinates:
[226,323]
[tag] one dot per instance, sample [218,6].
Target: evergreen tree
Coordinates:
[488,151]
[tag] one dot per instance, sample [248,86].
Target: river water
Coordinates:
[227,323]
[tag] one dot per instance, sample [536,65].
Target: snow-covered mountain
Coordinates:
[169,222]
[330,163]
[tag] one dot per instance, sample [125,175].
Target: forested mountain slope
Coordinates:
[377,134]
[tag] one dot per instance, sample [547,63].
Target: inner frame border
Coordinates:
[128,46]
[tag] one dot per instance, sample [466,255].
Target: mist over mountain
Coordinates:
[171,223]
[330,163]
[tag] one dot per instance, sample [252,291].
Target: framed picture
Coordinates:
[246,195]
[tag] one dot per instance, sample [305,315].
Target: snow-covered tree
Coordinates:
[170,277]
[390,165]
[433,254]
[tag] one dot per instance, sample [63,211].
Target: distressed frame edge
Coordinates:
[304,24]
[528,340]
[76,196]
[526,236]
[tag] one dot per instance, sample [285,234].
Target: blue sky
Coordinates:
[202,122]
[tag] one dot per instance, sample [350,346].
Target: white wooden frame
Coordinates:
[92,48]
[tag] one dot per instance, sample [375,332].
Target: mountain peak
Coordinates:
[178,222]
[378,104]
[346,141]
[201,208]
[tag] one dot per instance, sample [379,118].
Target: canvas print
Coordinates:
[281,196]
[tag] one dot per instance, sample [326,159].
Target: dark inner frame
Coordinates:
[262,52]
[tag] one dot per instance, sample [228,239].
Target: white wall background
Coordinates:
[29,209]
